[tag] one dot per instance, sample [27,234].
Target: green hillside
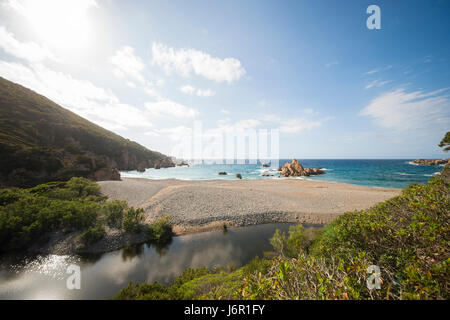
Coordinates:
[40,141]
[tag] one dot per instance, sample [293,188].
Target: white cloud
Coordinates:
[372,71]
[262,103]
[416,110]
[377,83]
[293,125]
[94,103]
[170,108]
[190,90]
[29,51]
[174,133]
[309,111]
[188,61]
[330,64]
[126,63]
[205,93]
[298,124]
[225,111]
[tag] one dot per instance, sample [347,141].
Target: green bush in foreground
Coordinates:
[407,237]
[75,205]
[191,284]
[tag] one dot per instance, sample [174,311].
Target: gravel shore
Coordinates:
[195,206]
[201,205]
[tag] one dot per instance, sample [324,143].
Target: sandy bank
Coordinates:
[202,205]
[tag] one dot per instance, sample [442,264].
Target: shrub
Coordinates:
[160,231]
[8,196]
[114,212]
[83,187]
[135,291]
[132,220]
[93,234]
[406,236]
[289,246]
[27,214]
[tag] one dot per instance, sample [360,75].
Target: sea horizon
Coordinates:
[387,173]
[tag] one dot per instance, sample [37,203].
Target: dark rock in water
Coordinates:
[238,175]
[222,173]
[295,169]
[267,174]
[265,165]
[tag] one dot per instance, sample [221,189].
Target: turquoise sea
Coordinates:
[374,173]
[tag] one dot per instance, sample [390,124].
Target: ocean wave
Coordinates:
[404,174]
[432,175]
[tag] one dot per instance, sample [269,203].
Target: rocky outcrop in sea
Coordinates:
[295,169]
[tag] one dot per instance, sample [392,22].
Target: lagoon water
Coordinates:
[373,173]
[103,276]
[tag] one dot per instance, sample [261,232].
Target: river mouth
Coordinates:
[104,275]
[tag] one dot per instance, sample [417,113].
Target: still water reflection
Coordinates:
[102,276]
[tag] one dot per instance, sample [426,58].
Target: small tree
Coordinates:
[445,143]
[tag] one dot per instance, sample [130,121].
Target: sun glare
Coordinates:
[61,23]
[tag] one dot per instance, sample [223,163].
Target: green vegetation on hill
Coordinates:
[40,141]
[407,237]
[28,215]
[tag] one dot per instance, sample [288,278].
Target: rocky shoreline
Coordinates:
[430,162]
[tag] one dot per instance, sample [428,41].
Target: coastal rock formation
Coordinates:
[163,163]
[265,165]
[295,169]
[431,162]
[238,175]
[222,173]
[105,174]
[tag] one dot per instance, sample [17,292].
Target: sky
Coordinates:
[312,70]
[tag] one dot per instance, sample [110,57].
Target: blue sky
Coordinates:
[311,69]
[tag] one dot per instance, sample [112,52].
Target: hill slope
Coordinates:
[41,141]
